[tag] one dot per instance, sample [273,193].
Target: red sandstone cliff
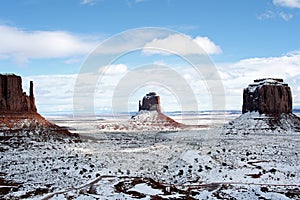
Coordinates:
[267,108]
[267,96]
[12,97]
[18,113]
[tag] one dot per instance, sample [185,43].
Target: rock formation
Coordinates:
[267,96]
[150,111]
[12,97]
[267,108]
[18,113]
[149,118]
[150,102]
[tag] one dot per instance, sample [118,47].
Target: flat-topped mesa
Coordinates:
[267,108]
[267,96]
[150,102]
[12,97]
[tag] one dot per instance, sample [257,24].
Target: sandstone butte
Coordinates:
[18,111]
[267,108]
[267,96]
[151,102]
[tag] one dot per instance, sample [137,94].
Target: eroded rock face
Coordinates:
[12,97]
[150,102]
[149,118]
[267,109]
[267,96]
[18,113]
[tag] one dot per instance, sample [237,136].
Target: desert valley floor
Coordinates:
[168,164]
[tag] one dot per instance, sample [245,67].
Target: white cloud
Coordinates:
[88,2]
[22,45]
[129,40]
[266,15]
[183,45]
[207,45]
[287,3]
[285,16]
[271,15]
[114,69]
[55,92]
[236,76]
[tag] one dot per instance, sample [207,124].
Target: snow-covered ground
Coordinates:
[195,164]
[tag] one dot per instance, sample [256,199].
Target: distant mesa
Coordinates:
[150,111]
[267,108]
[18,112]
[149,118]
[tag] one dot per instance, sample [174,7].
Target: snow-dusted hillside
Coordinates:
[253,122]
[199,164]
[150,121]
[144,121]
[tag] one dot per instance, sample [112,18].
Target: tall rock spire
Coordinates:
[31,97]
[12,97]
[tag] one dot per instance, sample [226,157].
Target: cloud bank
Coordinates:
[238,75]
[54,93]
[23,45]
[178,42]
[287,3]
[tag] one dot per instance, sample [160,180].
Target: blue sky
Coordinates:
[50,40]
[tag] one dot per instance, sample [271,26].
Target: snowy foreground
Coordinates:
[195,164]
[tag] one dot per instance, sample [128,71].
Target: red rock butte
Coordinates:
[150,102]
[18,111]
[267,96]
[12,97]
[267,108]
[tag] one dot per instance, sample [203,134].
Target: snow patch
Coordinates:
[145,189]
